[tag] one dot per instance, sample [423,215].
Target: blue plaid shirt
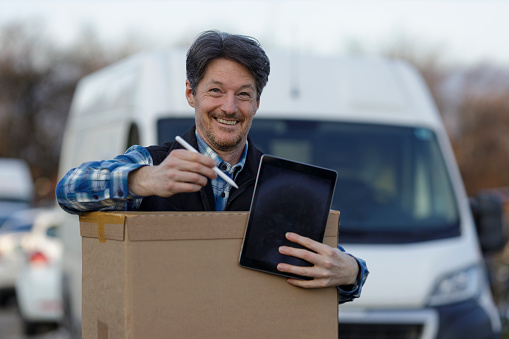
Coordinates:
[220,187]
[102,185]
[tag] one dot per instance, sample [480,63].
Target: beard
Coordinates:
[224,145]
[219,144]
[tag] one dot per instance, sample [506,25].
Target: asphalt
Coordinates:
[11,326]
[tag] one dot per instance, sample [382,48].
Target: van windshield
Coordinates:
[393,186]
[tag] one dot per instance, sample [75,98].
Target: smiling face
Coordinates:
[225,104]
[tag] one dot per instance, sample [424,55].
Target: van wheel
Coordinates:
[29,328]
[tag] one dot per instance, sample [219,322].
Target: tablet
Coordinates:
[289,196]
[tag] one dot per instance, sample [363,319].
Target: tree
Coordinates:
[37,81]
[482,146]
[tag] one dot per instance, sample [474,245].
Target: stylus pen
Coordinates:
[215,169]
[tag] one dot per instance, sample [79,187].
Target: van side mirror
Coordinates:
[488,213]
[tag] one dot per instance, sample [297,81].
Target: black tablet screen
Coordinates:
[289,197]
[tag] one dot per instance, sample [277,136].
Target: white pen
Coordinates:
[215,169]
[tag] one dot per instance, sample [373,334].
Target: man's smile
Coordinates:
[227,122]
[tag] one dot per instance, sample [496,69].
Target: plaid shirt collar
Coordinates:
[220,187]
[232,171]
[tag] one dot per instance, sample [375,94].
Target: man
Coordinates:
[225,77]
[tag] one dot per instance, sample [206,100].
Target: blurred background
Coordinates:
[458,46]
[46,46]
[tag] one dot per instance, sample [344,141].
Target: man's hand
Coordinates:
[182,171]
[331,267]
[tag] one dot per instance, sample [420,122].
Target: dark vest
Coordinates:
[239,200]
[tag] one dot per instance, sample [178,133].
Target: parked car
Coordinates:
[14,229]
[15,180]
[9,207]
[38,282]
[16,187]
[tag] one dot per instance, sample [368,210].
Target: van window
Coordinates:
[168,129]
[393,186]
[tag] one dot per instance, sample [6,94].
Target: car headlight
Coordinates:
[457,286]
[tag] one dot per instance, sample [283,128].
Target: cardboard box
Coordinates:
[176,275]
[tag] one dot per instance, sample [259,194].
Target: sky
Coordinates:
[460,32]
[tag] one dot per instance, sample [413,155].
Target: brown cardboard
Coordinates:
[176,275]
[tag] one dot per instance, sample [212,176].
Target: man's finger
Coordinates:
[308,243]
[300,253]
[187,161]
[194,157]
[315,283]
[305,271]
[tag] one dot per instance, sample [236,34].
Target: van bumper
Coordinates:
[467,319]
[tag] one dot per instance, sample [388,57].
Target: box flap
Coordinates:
[198,225]
[187,225]
[142,226]
[103,225]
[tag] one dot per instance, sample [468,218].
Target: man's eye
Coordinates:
[215,91]
[245,95]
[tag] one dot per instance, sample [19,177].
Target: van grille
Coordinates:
[380,331]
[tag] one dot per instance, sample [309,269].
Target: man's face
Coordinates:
[225,104]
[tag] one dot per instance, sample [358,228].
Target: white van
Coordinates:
[402,201]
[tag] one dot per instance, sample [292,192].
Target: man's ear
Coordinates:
[189,93]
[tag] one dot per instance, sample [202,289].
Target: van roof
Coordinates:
[363,89]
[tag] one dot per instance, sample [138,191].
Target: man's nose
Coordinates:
[229,105]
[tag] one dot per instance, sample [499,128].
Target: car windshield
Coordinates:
[9,207]
[393,186]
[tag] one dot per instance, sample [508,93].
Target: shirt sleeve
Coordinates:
[102,185]
[350,292]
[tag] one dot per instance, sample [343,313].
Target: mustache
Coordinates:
[227,116]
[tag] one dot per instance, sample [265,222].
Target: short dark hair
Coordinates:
[245,50]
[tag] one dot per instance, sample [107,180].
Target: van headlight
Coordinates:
[457,286]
